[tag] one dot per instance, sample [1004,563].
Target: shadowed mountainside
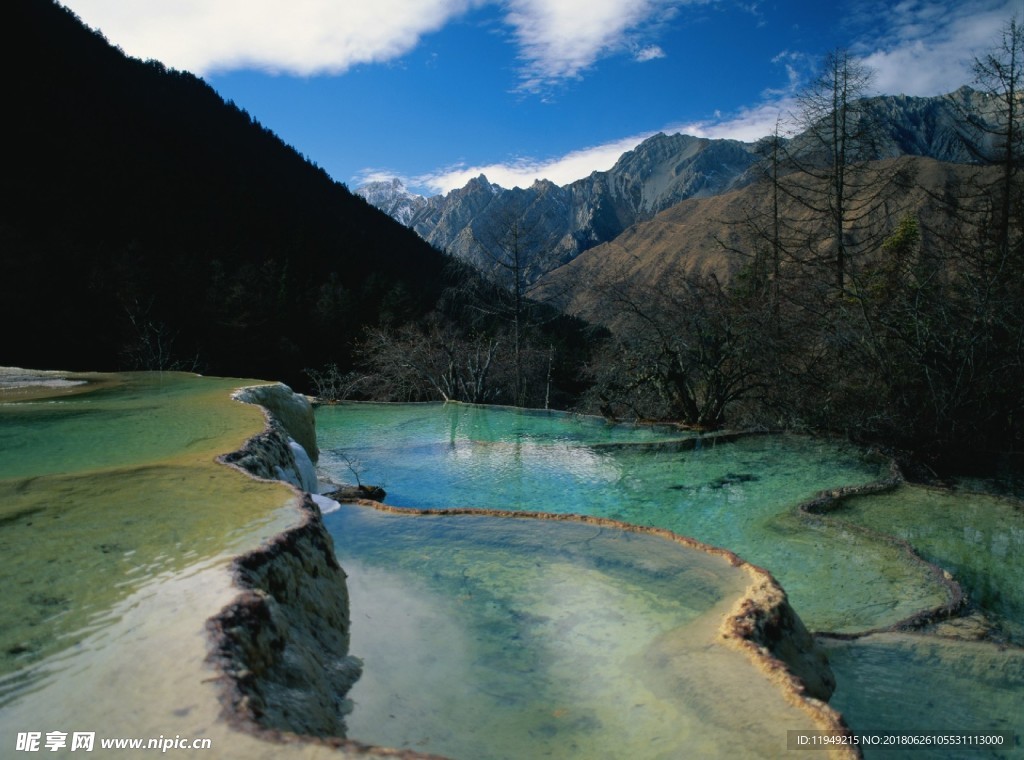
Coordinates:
[144,223]
[715,236]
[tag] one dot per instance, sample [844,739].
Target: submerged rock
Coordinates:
[355,493]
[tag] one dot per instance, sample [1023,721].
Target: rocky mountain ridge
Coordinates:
[551,224]
[556,223]
[709,236]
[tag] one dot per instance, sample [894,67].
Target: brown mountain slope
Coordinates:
[716,234]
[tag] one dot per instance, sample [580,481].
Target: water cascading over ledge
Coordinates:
[283,643]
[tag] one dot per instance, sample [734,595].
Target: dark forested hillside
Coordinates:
[146,223]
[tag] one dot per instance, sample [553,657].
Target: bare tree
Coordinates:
[683,351]
[331,384]
[829,161]
[510,246]
[151,343]
[432,361]
[1000,75]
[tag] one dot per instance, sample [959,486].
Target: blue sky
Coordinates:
[438,91]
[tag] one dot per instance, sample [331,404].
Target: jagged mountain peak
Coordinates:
[564,220]
[480,182]
[392,197]
[661,171]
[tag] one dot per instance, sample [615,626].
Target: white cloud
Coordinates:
[524,172]
[649,53]
[557,39]
[927,50]
[521,172]
[928,47]
[748,125]
[299,37]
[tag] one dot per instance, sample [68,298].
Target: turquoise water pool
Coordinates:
[844,573]
[740,495]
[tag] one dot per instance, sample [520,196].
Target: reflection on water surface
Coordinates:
[740,495]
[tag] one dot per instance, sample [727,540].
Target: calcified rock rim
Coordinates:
[819,508]
[761,618]
[253,605]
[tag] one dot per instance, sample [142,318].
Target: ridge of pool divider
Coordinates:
[290,588]
[759,625]
[248,634]
[819,508]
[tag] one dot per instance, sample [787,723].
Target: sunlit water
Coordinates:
[485,637]
[740,495]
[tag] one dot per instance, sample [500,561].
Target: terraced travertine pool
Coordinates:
[848,572]
[118,529]
[486,636]
[739,495]
[491,637]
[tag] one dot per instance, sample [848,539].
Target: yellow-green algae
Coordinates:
[941,682]
[978,538]
[86,520]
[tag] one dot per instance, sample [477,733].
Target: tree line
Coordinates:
[146,224]
[862,300]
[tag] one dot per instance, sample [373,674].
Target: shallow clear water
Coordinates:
[110,572]
[740,496]
[925,684]
[976,537]
[486,637]
[146,417]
